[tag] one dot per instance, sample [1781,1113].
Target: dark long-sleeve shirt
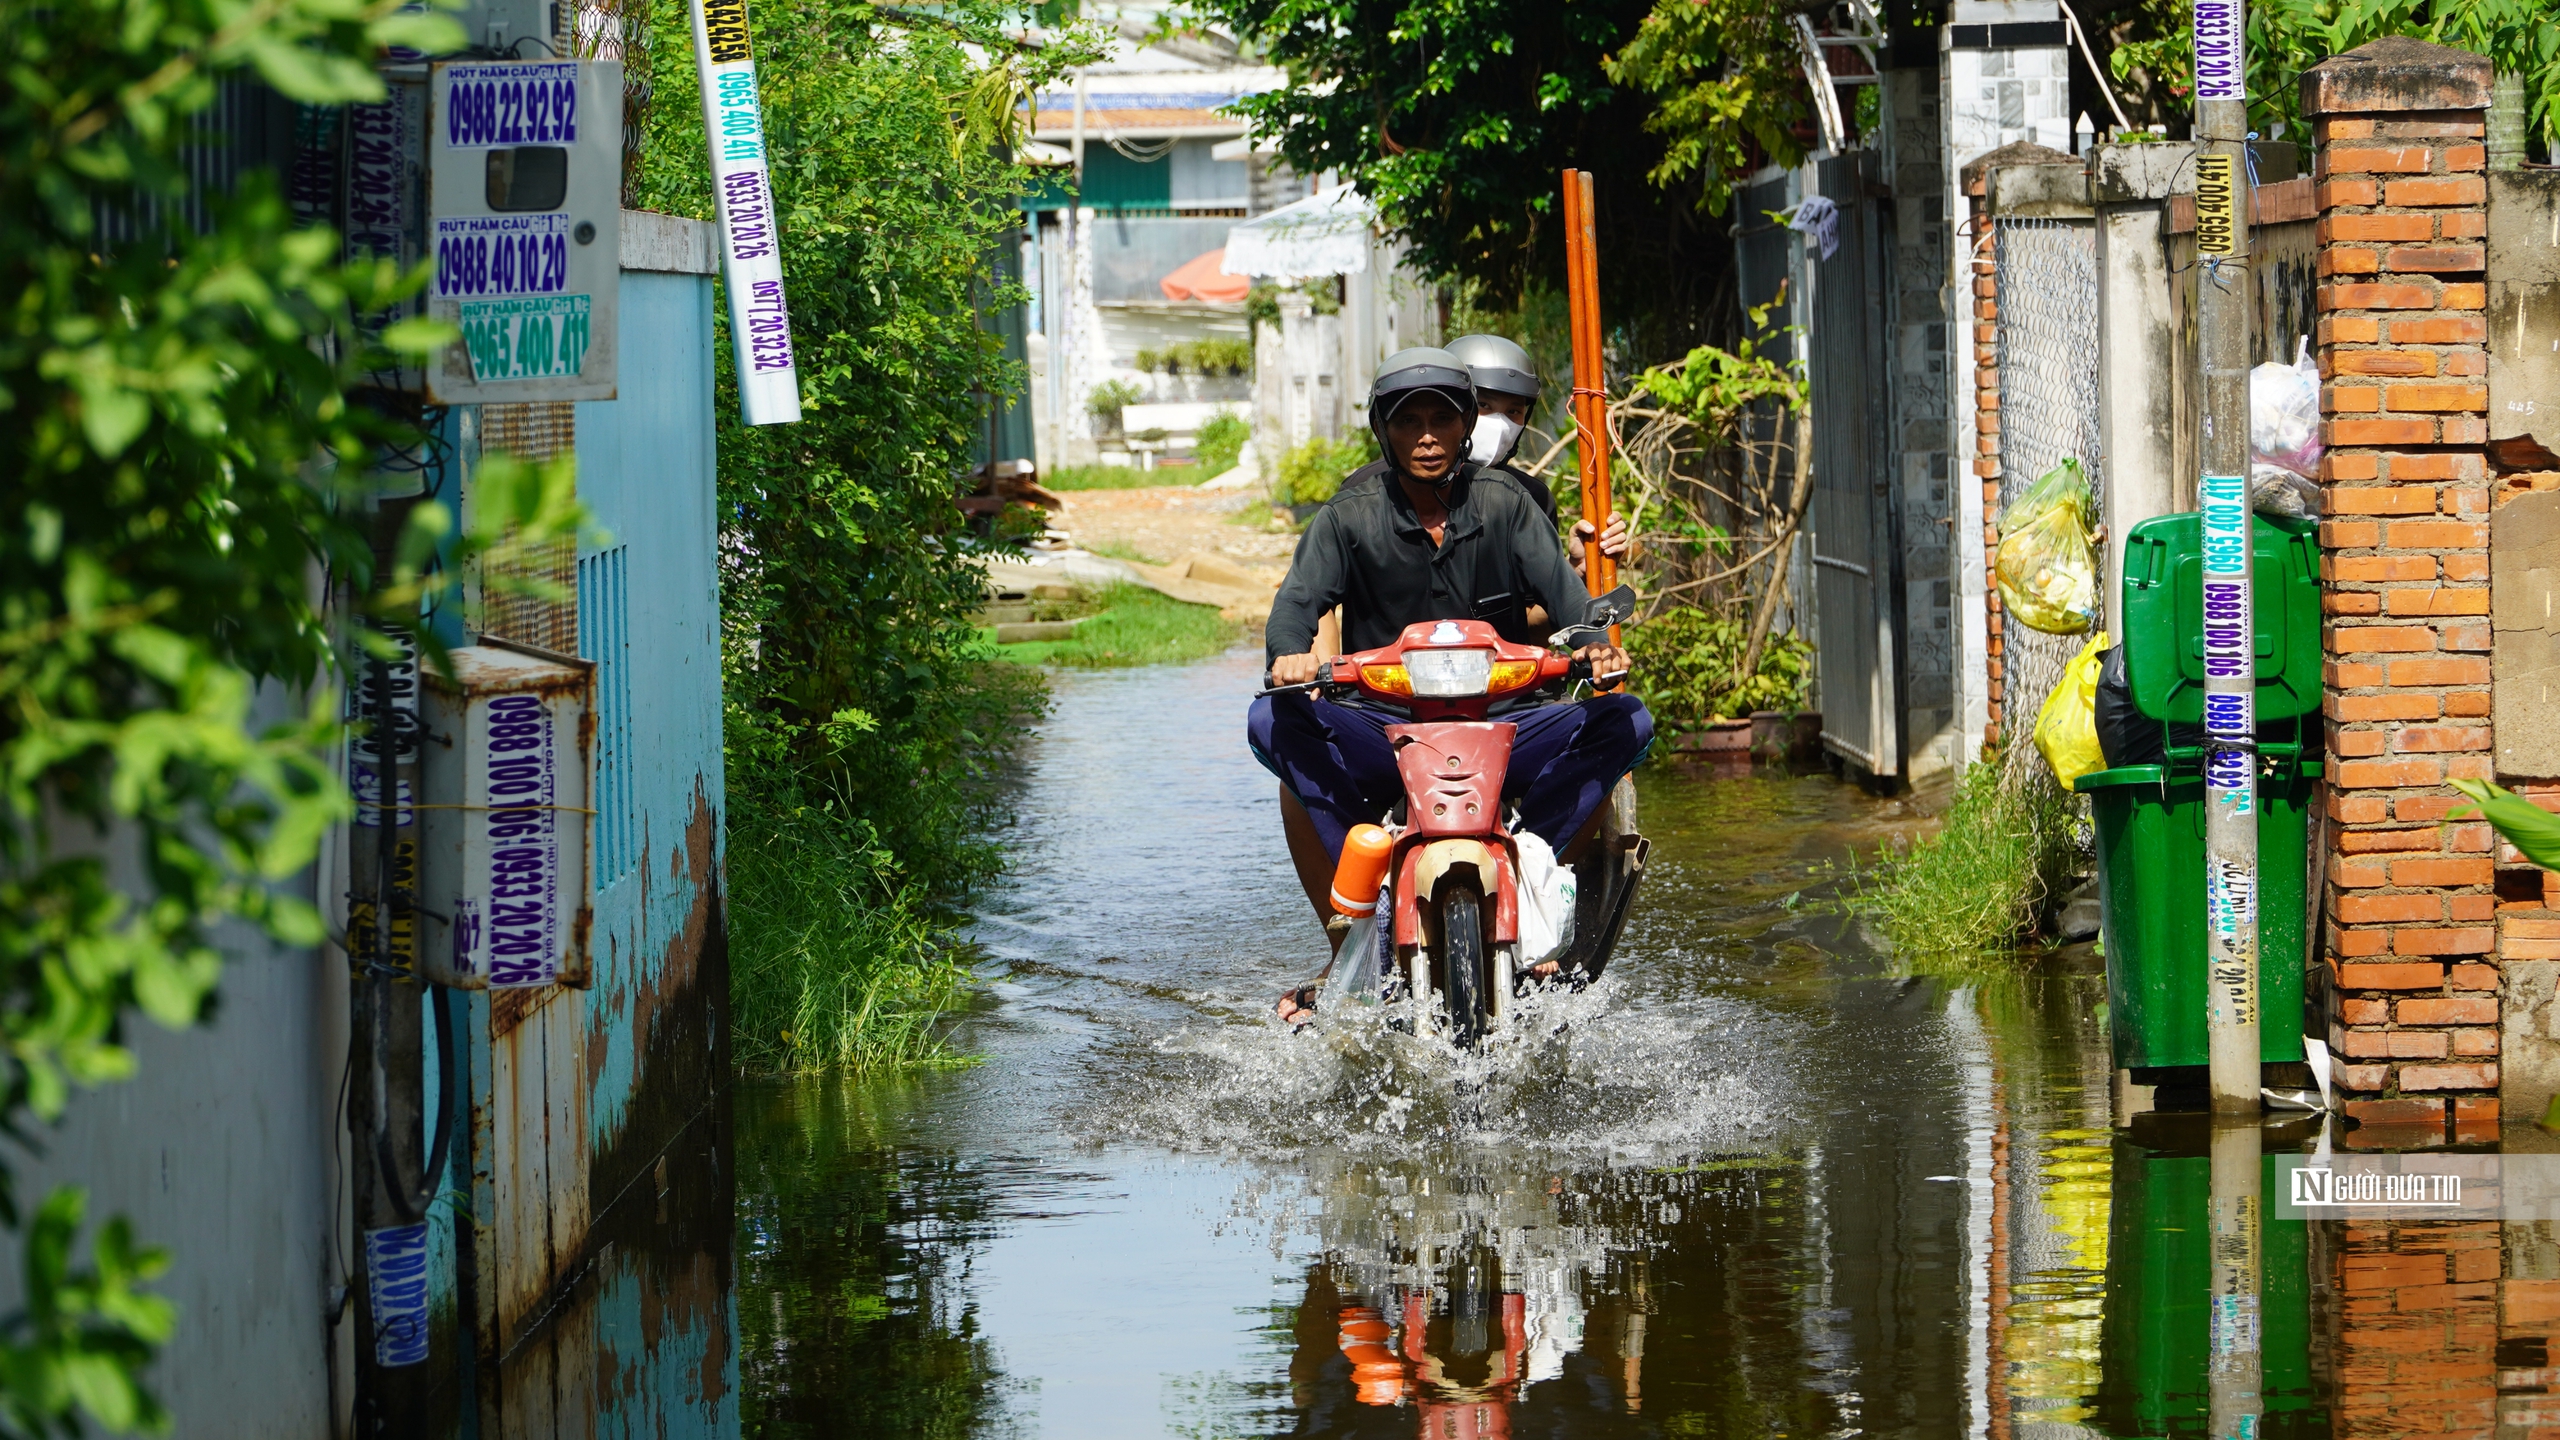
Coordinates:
[1537,488]
[1367,552]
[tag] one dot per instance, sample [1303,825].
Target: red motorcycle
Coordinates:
[1449,921]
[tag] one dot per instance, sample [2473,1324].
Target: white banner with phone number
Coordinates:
[750,232]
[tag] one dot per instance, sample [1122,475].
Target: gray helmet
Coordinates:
[1408,373]
[1497,365]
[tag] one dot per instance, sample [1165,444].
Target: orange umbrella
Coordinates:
[1198,279]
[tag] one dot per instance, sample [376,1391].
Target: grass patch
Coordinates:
[2004,854]
[1123,550]
[834,961]
[1121,477]
[1131,625]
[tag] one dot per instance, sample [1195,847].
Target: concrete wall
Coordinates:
[2523,324]
[219,1149]
[1924,472]
[2138,343]
[595,1099]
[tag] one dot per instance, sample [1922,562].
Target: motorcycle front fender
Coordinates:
[1428,862]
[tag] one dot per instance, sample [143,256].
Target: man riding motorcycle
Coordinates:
[1428,536]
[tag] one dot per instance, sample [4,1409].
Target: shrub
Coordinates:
[1221,441]
[1685,662]
[2003,854]
[856,705]
[1311,473]
[1106,400]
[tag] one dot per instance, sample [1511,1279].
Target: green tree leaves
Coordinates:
[1458,116]
[2523,824]
[175,425]
[85,1332]
[847,580]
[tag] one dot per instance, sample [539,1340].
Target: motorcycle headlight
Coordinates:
[1449,674]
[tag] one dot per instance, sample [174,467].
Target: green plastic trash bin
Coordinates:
[2155,1340]
[2150,823]
[2163,617]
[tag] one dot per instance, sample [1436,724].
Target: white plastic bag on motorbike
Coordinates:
[1546,901]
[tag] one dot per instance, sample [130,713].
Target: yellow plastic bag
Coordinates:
[2048,569]
[2067,726]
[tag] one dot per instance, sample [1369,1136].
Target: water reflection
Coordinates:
[853,1249]
[1766,1180]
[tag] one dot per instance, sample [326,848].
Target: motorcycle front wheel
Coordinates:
[1463,967]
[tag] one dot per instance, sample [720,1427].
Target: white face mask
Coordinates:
[1495,435]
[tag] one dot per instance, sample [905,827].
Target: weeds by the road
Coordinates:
[1133,625]
[835,958]
[1121,477]
[1123,550]
[2004,854]
[841,911]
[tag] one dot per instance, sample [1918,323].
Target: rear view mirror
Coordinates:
[1603,612]
[1611,608]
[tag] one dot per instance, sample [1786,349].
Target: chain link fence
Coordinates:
[2046,275]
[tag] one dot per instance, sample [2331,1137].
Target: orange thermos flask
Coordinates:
[1363,865]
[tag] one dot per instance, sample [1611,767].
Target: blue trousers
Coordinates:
[1336,760]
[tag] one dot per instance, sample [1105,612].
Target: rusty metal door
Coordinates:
[1852,529]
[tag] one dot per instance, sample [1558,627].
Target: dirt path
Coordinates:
[1164,524]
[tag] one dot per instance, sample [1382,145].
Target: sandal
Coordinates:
[1301,1000]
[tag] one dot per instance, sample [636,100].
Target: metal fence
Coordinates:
[2046,275]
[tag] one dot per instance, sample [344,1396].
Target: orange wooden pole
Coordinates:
[1577,311]
[1600,572]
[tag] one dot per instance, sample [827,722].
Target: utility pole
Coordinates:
[2235,1366]
[2230,649]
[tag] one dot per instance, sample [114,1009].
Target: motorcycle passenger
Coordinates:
[1429,536]
[1507,390]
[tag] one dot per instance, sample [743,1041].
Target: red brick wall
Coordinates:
[2417,1329]
[2412,905]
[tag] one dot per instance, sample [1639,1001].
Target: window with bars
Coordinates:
[604,630]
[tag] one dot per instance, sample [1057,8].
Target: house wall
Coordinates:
[219,1149]
[589,1097]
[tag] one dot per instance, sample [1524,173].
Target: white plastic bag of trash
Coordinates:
[1546,901]
[2284,413]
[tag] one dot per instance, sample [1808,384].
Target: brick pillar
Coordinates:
[1986,431]
[2418,1329]
[2399,127]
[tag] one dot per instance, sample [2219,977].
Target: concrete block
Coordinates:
[2396,74]
[2524,581]
[2129,174]
[2529,1065]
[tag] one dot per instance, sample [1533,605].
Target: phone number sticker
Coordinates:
[512,105]
[530,339]
[502,255]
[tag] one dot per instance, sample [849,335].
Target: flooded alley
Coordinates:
[1762,1180]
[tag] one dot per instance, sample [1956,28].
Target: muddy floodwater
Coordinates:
[1763,1180]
